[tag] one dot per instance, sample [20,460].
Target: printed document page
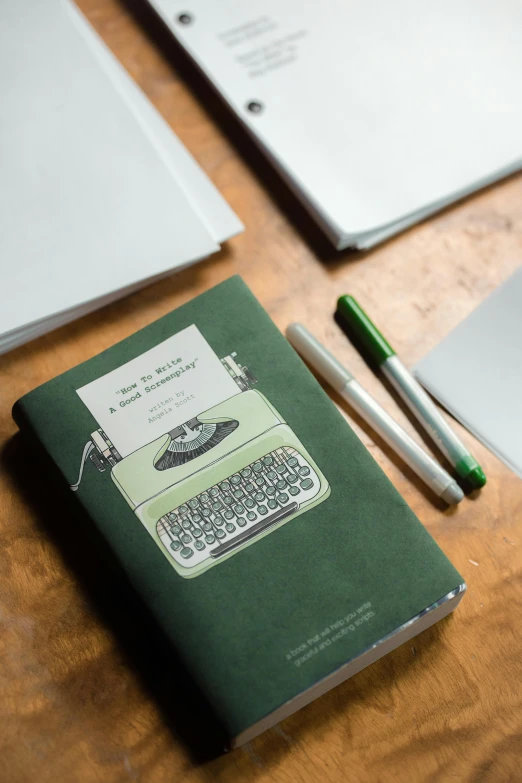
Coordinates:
[373,111]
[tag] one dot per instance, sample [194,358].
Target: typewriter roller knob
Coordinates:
[99,462]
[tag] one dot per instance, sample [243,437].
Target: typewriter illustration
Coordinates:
[219,482]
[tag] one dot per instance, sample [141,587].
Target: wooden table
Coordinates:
[446,706]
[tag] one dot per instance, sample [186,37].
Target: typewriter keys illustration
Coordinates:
[218,483]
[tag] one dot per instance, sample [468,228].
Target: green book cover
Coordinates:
[272,550]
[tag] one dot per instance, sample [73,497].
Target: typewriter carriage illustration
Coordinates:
[216,484]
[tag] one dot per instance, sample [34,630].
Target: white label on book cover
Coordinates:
[158,390]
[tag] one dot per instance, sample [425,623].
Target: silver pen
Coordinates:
[369,409]
[381,352]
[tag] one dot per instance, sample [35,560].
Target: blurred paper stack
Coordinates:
[97,195]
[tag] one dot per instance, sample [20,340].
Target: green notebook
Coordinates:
[274,553]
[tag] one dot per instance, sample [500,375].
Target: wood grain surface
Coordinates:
[75,705]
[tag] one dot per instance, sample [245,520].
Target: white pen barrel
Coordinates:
[424,409]
[398,439]
[318,356]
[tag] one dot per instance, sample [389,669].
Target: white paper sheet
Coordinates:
[96,194]
[219,218]
[371,110]
[476,372]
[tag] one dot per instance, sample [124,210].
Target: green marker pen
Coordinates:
[381,352]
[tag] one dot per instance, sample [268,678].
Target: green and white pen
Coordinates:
[369,409]
[381,352]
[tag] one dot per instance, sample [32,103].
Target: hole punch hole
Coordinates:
[185,18]
[255,107]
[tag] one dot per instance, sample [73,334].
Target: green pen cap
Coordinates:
[363,329]
[468,468]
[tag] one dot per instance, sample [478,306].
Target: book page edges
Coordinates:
[390,642]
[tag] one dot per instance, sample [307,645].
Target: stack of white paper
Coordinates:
[97,195]
[376,113]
